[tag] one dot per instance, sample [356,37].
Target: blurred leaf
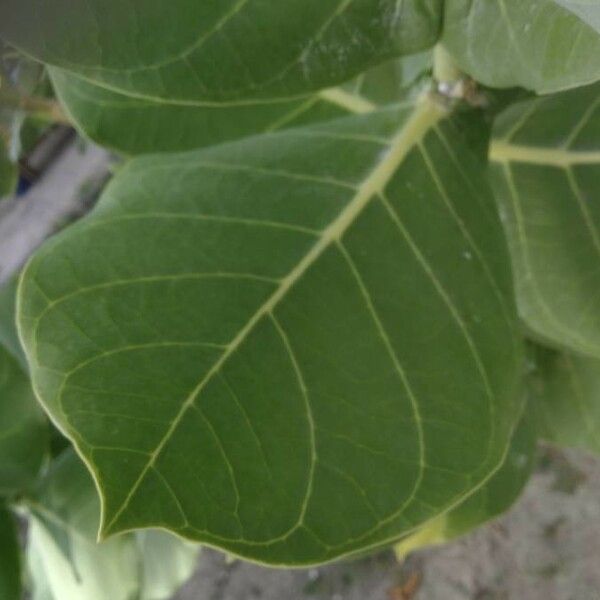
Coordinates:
[566,389]
[23,429]
[167,563]
[10,557]
[8,171]
[9,337]
[536,44]
[586,10]
[67,563]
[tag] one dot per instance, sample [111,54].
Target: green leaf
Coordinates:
[221,51]
[538,44]
[10,557]
[8,172]
[566,388]
[489,502]
[23,429]
[546,171]
[66,562]
[9,337]
[295,348]
[136,126]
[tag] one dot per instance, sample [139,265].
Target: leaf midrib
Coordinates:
[507,152]
[425,115]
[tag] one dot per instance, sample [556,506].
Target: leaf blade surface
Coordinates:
[298,365]
[220,50]
[539,44]
[545,166]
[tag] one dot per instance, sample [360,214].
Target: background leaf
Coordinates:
[566,388]
[23,429]
[251,342]
[538,44]
[219,50]
[134,126]
[10,557]
[546,171]
[8,171]
[9,337]
[66,562]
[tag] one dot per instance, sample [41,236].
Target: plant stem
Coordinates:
[42,108]
[444,67]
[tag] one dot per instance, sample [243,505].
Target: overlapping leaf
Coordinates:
[134,126]
[546,170]
[492,500]
[10,559]
[219,50]
[295,347]
[542,45]
[566,388]
[67,563]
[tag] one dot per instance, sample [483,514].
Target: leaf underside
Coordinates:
[295,348]
[542,45]
[546,172]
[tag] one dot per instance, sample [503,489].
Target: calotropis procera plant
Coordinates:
[294,326]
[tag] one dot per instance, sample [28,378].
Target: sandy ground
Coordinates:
[546,548]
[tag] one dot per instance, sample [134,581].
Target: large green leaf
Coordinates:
[566,388]
[134,126]
[489,502]
[295,347]
[67,563]
[546,170]
[10,557]
[23,430]
[219,51]
[537,44]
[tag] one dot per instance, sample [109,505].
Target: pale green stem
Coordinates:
[444,67]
